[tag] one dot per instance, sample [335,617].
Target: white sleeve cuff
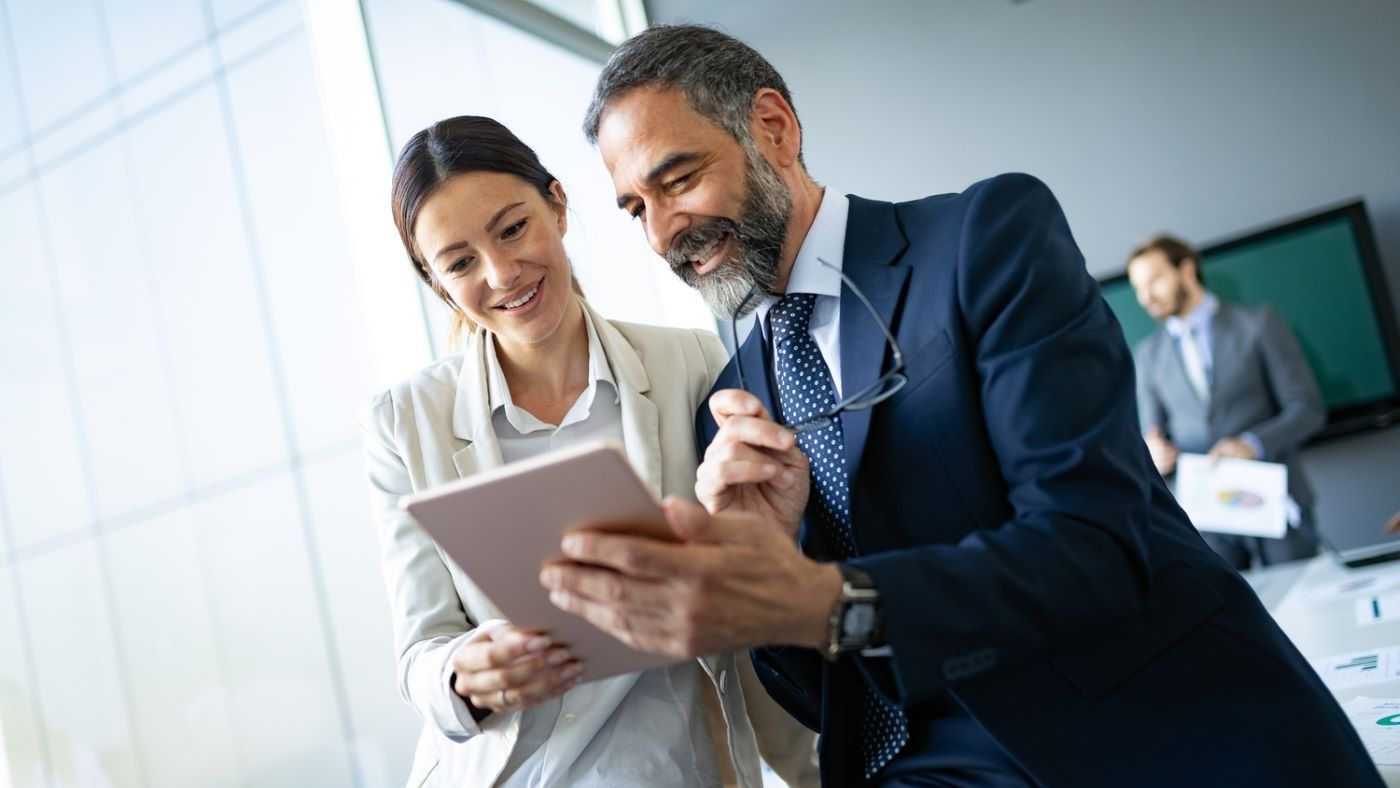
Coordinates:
[463,713]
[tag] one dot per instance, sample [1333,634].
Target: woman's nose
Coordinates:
[502,273]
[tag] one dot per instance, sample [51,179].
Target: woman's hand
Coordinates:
[511,669]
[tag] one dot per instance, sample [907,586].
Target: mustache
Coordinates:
[689,245]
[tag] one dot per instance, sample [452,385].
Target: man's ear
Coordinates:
[773,123]
[1191,266]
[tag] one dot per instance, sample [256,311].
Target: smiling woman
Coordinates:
[483,223]
[496,169]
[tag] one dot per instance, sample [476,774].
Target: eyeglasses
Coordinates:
[882,389]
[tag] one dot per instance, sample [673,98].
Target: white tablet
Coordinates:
[502,525]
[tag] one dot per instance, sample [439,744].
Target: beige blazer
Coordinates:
[434,428]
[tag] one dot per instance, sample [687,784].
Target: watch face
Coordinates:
[859,622]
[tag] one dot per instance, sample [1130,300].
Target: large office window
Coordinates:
[191,316]
[189,591]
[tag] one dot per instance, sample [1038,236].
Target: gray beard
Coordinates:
[751,267]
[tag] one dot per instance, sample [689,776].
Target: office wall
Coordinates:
[1199,117]
[189,583]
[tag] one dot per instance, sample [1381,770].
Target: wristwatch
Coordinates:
[855,622]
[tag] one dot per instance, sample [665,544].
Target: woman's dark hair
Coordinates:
[456,146]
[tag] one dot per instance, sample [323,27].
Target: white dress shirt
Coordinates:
[826,240]
[1192,334]
[642,729]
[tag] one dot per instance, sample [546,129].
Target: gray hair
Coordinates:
[718,74]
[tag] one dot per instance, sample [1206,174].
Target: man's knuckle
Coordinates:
[613,591]
[621,625]
[633,557]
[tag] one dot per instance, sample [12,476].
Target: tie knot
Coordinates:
[791,315]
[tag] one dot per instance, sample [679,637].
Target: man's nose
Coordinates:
[662,228]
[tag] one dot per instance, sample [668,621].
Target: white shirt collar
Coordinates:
[826,240]
[523,421]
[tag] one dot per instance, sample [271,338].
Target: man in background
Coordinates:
[1227,380]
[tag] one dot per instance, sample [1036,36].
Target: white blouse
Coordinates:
[641,729]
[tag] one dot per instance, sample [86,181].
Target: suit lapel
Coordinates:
[1223,346]
[641,435]
[1175,365]
[753,355]
[471,412]
[873,241]
[477,456]
[641,421]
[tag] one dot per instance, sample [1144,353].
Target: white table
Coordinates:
[1327,627]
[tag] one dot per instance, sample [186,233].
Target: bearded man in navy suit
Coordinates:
[930,511]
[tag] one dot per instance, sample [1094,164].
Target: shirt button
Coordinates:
[723,681]
[569,718]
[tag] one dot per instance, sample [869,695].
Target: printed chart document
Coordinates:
[1359,667]
[1378,722]
[1232,496]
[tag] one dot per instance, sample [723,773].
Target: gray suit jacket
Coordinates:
[1260,383]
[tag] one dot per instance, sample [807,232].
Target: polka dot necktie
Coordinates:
[804,390]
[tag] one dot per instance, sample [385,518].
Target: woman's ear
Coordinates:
[560,204]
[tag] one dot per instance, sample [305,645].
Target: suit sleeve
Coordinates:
[1151,412]
[1056,388]
[1301,412]
[429,622]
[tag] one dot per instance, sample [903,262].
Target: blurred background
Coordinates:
[200,285]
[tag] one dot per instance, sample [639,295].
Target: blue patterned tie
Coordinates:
[804,390]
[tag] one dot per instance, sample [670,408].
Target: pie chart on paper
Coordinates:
[1240,499]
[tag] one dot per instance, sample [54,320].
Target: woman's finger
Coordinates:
[493,653]
[543,684]
[510,677]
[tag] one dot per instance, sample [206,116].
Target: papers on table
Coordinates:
[1359,667]
[1377,608]
[1378,722]
[1370,584]
[1233,496]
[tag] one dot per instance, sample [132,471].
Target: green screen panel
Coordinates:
[1314,278]
[1137,324]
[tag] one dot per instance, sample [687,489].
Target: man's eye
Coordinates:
[678,183]
[638,211]
[514,230]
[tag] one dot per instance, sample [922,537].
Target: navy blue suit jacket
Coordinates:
[1034,568]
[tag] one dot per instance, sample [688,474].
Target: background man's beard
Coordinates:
[1179,305]
[757,248]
